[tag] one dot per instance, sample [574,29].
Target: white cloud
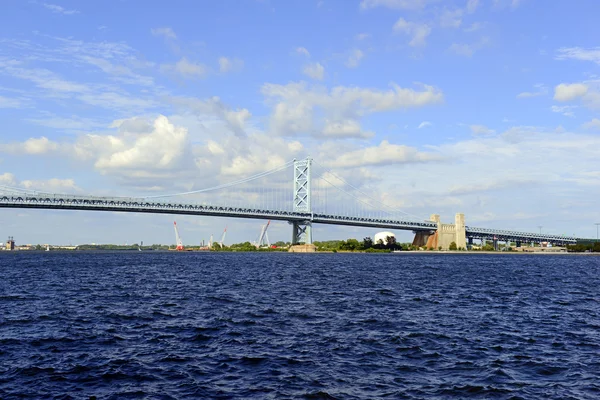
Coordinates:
[542,90]
[8,179]
[500,4]
[593,124]
[567,92]
[345,129]
[74,55]
[354,59]
[481,130]
[41,145]
[475,26]
[162,148]
[472,6]
[467,50]
[230,64]
[567,111]
[53,185]
[451,19]
[578,53]
[479,187]
[383,154]
[164,32]
[363,36]
[186,69]
[69,124]
[295,104]
[6,102]
[33,146]
[424,124]
[417,31]
[235,120]
[462,49]
[124,74]
[302,51]
[314,70]
[59,10]
[395,4]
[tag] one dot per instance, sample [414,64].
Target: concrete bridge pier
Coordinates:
[495,244]
[470,243]
[444,234]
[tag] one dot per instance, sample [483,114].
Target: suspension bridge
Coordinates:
[314,195]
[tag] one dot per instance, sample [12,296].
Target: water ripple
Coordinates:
[329,326]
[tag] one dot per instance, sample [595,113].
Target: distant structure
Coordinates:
[10,243]
[383,237]
[177,238]
[263,239]
[444,235]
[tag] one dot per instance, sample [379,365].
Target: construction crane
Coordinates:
[264,236]
[223,237]
[177,238]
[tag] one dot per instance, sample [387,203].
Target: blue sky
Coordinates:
[488,107]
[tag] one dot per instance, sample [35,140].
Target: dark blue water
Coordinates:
[205,325]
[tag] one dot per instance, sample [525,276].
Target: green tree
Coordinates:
[452,246]
[367,243]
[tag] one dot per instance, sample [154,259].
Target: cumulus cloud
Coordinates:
[162,148]
[568,92]
[354,59]
[235,120]
[314,70]
[418,32]
[33,146]
[295,104]
[7,179]
[424,124]
[383,154]
[165,32]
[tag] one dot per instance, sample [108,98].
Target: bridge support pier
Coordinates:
[519,243]
[470,243]
[444,235]
[495,244]
[301,232]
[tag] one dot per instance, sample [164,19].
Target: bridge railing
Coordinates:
[516,234]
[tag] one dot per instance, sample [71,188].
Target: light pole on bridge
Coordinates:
[540,226]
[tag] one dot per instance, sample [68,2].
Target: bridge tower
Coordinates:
[301,230]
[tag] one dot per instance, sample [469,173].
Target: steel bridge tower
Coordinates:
[302,201]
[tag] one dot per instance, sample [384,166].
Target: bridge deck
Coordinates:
[141,205]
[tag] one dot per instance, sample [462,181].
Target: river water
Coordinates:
[166,325]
